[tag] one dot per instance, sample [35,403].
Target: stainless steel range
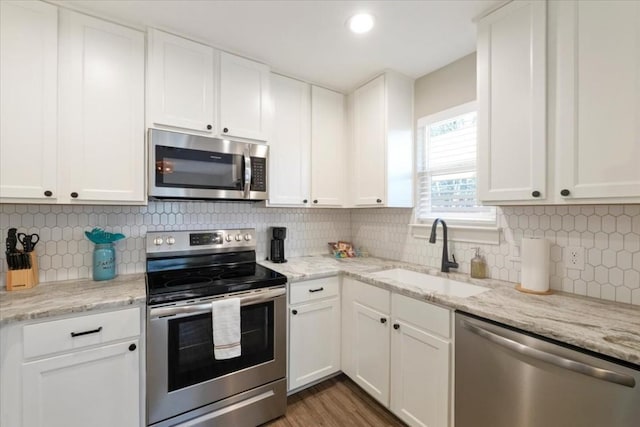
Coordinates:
[186,385]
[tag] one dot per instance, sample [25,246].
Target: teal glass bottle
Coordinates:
[104,261]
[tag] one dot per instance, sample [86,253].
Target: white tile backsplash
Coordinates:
[65,253]
[610,235]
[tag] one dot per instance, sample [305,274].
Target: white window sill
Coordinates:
[486,235]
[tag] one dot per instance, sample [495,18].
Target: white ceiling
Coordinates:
[309,39]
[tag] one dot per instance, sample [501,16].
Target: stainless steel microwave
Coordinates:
[185,166]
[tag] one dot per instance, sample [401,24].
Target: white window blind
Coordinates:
[446,169]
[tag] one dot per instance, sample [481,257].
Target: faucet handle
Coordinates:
[454,264]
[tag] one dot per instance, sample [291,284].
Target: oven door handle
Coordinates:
[247,171]
[205,307]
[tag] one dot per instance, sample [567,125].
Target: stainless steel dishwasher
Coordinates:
[507,378]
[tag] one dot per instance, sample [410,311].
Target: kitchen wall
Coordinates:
[65,253]
[610,235]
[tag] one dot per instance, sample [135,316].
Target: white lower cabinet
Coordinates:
[398,349]
[314,331]
[75,371]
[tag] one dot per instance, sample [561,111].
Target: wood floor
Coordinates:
[337,402]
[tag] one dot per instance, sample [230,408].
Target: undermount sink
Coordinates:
[426,282]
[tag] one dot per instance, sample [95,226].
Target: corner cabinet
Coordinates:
[382,155]
[245,104]
[598,101]
[398,349]
[512,108]
[180,81]
[74,371]
[314,331]
[72,108]
[28,101]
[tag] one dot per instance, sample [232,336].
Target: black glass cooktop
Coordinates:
[179,278]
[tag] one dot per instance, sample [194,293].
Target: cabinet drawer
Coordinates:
[428,317]
[81,331]
[311,290]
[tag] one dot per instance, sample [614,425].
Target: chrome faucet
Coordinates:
[446,264]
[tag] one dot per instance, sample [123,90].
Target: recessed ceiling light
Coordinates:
[361,23]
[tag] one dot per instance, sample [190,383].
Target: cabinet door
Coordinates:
[290,145]
[419,376]
[28,98]
[512,103]
[245,107]
[181,83]
[102,110]
[328,149]
[598,98]
[314,347]
[98,388]
[370,351]
[369,122]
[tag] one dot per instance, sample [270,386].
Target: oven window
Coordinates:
[186,168]
[191,358]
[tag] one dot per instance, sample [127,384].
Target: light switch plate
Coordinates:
[574,257]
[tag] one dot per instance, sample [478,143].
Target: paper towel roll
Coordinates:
[535,264]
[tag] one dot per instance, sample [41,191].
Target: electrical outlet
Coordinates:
[574,257]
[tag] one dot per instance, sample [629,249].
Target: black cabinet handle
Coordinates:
[225,130]
[78,334]
[383,320]
[396,326]
[305,201]
[565,192]
[378,200]
[294,312]
[48,193]
[209,127]
[315,201]
[536,194]
[316,290]
[132,347]
[74,195]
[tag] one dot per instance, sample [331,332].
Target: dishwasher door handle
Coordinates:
[562,362]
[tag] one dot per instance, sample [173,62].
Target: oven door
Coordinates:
[182,373]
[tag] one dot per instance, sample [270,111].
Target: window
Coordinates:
[446,168]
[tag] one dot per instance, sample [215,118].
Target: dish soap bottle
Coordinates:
[478,266]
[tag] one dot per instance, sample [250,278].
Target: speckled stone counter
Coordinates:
[74,296]
[604,327]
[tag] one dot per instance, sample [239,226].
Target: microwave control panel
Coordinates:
[258,174]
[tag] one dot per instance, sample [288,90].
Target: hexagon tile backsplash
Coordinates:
[65,253]
[610,235]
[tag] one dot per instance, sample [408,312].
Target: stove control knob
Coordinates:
[238,237]
[247,237]
[228,238]
[170,240]
[158,241]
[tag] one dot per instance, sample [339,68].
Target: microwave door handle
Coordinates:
[247,171]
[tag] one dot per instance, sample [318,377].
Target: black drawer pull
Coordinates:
[383,320]
[396,326]
[316,290]
[78,334]
[294,312]
[132,347]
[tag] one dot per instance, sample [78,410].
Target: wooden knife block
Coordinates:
[24,279]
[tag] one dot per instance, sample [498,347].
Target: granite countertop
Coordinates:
[73,296]
[608,328]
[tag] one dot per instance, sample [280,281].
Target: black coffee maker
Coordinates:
[278,235]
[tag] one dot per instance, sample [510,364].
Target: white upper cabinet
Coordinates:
[290,144]
[598,101]
[181,83]
[28,97]
[245,105]
[102,110]
[382,154]
[512,103]
[328,148]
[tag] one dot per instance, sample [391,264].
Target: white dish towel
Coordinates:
[226,328]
